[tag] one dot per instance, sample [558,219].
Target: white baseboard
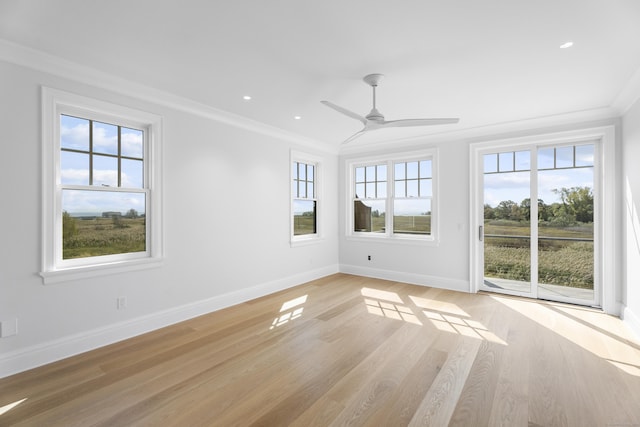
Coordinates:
[632,320]
[42,354]
[415,279]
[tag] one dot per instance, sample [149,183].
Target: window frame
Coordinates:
[54,268]
[305,239]
[388,235]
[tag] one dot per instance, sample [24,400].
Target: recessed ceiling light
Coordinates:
[566,45]
[297,117]
[246,98]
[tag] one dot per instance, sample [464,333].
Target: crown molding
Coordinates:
[629,95]
[512,128]
[41,61]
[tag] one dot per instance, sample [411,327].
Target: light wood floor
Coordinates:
[347,350]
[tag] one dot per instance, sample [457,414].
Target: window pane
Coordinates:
[371,190]
[425,188]
[360,191]
[98,223]
[564,157]
[412,216]
[505,162]
[545,158]
[425,169]
[310,172]
[360,174]
[132,173]
[369,216]
[523,160]
[74,133]
[400,189]
[490,163]
[294,188]
[381,190]
[399,169]
[302,171]
[584,155]
[310,190]
[74,168]
[105,138]
[131,141]
[412,188]
[382,173]
[105,171]
[302,189]
[304,217]
[412,170]
[370,173]
[294,170]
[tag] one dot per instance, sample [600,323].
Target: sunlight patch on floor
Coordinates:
[381,295]
[444,306]
[289,312]
[466,327]
[392,311]
[593,331]
[6,408]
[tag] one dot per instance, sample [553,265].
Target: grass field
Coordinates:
[560,262]
[104,236]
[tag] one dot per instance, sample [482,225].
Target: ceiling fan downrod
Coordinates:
[372,80]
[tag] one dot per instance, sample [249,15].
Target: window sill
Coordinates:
[85,272]
[394,240]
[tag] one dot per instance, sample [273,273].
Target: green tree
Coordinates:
[489,212]
[69,225]
[577,202]
[508,209]
[132,213]
[525,207]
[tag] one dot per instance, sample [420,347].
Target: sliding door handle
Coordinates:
[481,233]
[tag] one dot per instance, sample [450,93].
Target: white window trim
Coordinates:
[389,236]
[307,239]
[606,209]
[54,269]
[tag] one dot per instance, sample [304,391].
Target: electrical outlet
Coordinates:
[122,303]
[9,327]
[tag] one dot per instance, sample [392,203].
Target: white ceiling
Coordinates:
[485,61]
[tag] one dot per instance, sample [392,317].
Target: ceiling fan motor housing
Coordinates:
[375,115]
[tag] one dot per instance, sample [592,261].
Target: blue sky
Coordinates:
[74,170]
[515,185]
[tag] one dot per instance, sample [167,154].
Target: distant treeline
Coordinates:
[576,205]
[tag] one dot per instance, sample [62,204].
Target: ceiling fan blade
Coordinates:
[354,136]
[419,122]
[345,111]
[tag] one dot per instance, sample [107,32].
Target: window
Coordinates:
[101,189]
[393,198]
[304,198]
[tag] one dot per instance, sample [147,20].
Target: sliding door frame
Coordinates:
[606,253]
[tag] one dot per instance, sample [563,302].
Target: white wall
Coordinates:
[226,222]
[631,212]
[445,264]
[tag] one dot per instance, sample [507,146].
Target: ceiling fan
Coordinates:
[375,120]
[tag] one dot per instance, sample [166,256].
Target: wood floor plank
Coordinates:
[350,350]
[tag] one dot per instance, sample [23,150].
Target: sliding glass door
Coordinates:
[537,232]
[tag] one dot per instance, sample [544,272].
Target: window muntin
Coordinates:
[393,198]
[304,204]
[70,163]
[369,203]
[103,195]
[413,191]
